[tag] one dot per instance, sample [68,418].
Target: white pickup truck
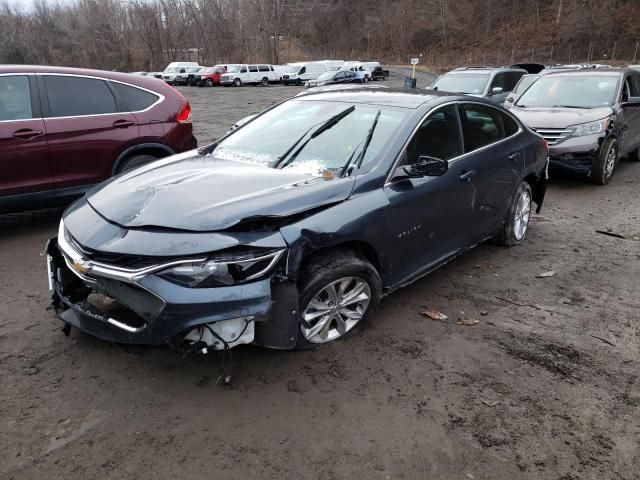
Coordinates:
[238,75]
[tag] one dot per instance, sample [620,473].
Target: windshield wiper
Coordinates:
[571,106]
[367,141]
[323,128]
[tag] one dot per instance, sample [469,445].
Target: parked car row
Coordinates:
[589,114]
[298,73]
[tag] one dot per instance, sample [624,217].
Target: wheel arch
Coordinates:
[310,254]
[152,148]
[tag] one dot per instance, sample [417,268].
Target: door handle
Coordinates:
[514,156]
[466,176]
[123,123]
[27,133]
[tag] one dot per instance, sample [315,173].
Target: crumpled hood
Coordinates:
[201,193]
[538,117]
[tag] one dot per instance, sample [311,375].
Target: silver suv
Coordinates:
[490,83]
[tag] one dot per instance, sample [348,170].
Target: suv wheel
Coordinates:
[264,82]
[338,292]
[515,227]
[605,162]
[135,161]
[237,82]
[209,82]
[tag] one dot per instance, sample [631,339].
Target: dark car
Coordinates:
[490,83]
[63,130]
[334,77]
[289,230]
[591,118]
[379,73]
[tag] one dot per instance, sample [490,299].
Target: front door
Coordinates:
[24,162]
[85,130]
[428,216]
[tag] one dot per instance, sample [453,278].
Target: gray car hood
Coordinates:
[539,117]
[200,193]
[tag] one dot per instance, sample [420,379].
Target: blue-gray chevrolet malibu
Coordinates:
[288,231]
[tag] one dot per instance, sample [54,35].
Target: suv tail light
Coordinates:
[185,112]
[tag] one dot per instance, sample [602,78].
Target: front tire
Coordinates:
[605,162]
[209,82]
[514,230]
[338,292]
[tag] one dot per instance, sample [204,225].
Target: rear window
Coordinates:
[15,98]
[77,96]
[134,98]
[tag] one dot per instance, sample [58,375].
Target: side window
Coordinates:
[498,81]
[182,70]
[253,68]
[243,70]
[15,98]
[134,98]
[439,136]
[626,89]
[76,96]
[302,70]
[339,76]
[510,125]
[483,126]
[511,80]
[263,68]
[634,83]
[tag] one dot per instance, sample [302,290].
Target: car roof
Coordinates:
[485,70]
[146,82]
[390,97]
[605,72]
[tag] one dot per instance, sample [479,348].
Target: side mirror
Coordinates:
[510,99]
[435,88]
[631,102]
[496,90]
[425,166]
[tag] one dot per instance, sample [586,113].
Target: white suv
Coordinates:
[238,75]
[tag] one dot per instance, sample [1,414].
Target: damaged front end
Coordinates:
[179,302]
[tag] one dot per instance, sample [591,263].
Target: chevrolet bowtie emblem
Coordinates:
[80,267]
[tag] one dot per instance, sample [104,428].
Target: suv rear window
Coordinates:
[15,98]
[77,96]
[134,98]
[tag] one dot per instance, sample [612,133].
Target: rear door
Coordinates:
[86,128]
[632,114]
[490,138]
[254,74]
[24,161]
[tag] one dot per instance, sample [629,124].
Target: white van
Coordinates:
[175,68]
[300,72]
[241,74]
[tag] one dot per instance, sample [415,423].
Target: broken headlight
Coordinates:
[590,128]
[223,270]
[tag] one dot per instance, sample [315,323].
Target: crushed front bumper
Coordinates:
[576,154]
[154,311]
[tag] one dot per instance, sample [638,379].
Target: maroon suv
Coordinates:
[63,130]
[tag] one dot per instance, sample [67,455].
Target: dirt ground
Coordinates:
[544,386]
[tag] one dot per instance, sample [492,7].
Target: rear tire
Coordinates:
[344,273]
[515,228]
[209,82]
[135,161]
[237,82]
[264,82]
[605,163]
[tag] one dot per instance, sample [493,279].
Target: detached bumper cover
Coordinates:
[157,312]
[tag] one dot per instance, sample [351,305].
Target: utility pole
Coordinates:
[613,54]
[635,53]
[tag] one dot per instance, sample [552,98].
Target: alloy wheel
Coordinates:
[522,214]
[611,161]
[336,309]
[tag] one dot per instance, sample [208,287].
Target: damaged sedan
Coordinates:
[288,231]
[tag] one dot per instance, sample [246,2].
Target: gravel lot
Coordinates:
[545,385]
